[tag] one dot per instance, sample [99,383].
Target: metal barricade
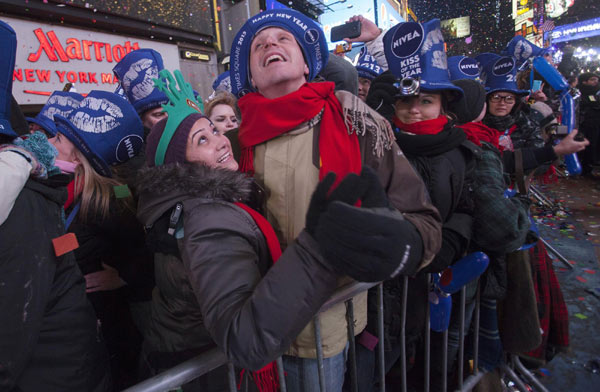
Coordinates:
[198,366]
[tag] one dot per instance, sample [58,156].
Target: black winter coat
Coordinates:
[49,338]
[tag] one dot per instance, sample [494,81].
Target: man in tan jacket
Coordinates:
[292,134]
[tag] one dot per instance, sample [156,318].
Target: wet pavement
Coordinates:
[573,229]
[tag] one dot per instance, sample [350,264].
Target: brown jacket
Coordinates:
[287,166]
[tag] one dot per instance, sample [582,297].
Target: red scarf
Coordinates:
[427,127]
[479,132]
[266,119]
[267,378]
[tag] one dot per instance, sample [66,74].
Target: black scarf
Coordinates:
[448,138]
[500,123]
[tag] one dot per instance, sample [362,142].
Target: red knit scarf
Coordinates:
[267,378]
[479,132]
[266,119]
[427,127]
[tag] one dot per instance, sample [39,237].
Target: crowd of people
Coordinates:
[141,227]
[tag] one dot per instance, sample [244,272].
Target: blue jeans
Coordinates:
[302,374]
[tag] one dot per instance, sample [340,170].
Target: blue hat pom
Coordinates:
[366,65]
[463,67]
[416,50]
[136,72]
[60,102]
[499,73]
[105,128]
[8,46]
[307,32]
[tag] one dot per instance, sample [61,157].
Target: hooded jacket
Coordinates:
[49,339]
[215,283]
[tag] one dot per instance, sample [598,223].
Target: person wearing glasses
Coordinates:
[510,116]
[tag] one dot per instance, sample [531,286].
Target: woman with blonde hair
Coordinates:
[103,131]
[223,111]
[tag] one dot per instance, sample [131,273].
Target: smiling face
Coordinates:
[277,66]
[66,149]
[207,145]
[223,117]
[425,106]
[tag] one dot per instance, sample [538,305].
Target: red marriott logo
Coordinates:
[78,50]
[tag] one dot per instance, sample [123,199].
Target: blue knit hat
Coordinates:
[499,73]
[308,34]
[366,65]
[60,102]
[136,72]
[8,46]
[105,128]
[521,50]
[463,67]
[416,50]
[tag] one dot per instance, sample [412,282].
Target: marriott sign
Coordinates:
[49,56]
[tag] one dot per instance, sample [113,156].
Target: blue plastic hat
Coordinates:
[499,73]
[8,46]
[521,50]
[105,128]
[366,66]
[222,82]
[60,102]
[417,50]
[136,72]
[463,67]
[308,34]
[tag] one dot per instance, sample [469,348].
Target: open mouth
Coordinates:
[273,58]
[224,158]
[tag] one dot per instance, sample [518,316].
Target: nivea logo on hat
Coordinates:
[407,39]
[311,36]
[128,147]
[469,66]
[503,66]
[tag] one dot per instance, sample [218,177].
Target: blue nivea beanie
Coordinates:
[8,46]
[366,65]
[60,102]
[463,67]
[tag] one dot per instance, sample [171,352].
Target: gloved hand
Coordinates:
[368,243]
[382,95]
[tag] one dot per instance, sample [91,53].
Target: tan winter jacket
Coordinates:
[288,168]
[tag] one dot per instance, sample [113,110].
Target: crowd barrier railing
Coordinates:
[189,370]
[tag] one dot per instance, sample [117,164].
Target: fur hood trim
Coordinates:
[196,180]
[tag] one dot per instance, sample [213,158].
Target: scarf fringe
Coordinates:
[265,379]
[360,118]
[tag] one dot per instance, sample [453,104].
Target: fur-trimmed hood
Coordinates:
[161,187]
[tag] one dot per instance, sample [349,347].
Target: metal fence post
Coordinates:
[351,342]
[380,332]
[231,377]
[403,332]
[319,347]
[281,374]
[427,370]
[461,336]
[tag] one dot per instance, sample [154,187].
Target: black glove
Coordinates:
[368,243]
[382,95]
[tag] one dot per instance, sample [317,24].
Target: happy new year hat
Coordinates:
[366,65]
[307,32]
[8,46]
[499,73]
[136,72]
[416,50]
[105,128]
[60,102]
[463,67]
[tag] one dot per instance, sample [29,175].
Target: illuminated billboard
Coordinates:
[573,31]
[457,27]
